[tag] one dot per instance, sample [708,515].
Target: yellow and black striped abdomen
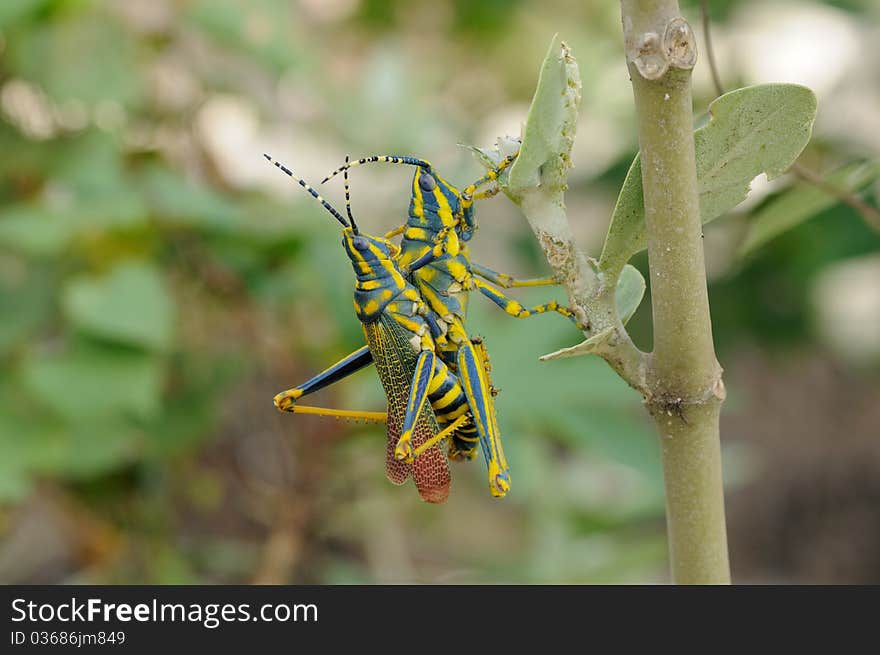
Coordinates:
[395,362]
[449,401]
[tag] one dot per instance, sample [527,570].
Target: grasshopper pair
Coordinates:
[449,368]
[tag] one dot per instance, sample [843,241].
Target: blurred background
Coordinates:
[159,283]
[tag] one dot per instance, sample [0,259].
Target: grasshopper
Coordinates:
[434,256]
[399,330]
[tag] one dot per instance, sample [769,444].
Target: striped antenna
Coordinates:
[354,226]
[305,185]
[390,159]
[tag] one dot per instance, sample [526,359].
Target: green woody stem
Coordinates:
[684,384]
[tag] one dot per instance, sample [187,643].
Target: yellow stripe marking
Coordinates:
[440,436]
[447,399]
[376,417]
[458,411]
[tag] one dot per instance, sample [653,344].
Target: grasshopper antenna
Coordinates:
[390,159]
[305,185]
[354,226]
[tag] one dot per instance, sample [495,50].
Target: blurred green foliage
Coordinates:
[158,284]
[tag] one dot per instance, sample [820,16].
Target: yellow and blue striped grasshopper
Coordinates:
[434,256]
[399,329]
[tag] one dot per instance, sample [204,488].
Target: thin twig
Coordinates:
[869,213]
[710,53]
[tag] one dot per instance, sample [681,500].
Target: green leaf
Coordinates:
[129,305]
[15,444]
[552,117]
[35,442]
[628,297]
[752,130]
[105,195]
[26,301]
[803,201]
[91,381]
[85,56]
[34,230]
[184,203]
[87,449]
[629,294]
[594,345]
[188,417]
[13,12]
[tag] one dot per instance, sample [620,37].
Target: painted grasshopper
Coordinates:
[434,256]
[399,329]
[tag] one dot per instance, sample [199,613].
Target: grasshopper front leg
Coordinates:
[508,281]
[515,309]
[395,232]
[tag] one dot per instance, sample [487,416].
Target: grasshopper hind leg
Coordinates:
[472,372]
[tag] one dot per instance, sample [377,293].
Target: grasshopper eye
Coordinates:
[360,243]
[427,182]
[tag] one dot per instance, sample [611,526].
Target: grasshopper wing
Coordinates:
[395,362]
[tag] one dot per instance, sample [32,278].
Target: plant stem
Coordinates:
[683,377]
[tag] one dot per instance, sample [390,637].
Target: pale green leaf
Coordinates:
[594,345]
[754,130]
[488,158]
[552,116]
[129,305]
[803,201]
[628,296]
[630,290]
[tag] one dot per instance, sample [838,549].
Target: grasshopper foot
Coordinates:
[285,400]
[404,450]
[499,481]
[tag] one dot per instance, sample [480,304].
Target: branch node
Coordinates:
[680,44]
[719,390]
[648,56]
[652,55]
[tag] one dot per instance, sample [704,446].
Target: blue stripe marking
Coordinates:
[477,401]
[419,389]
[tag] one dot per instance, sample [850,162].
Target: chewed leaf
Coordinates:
[754,130]
[803,201]
[552,117]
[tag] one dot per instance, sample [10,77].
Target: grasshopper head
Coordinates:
[434,201]
[368,253]
[378,277]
